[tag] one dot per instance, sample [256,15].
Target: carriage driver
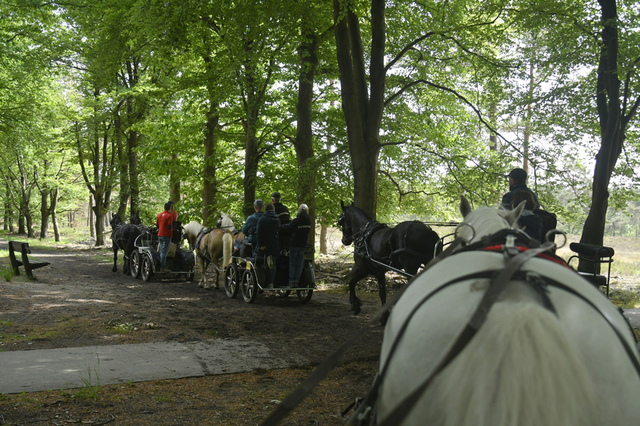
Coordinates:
[517,181]
[249,228]
[164,222]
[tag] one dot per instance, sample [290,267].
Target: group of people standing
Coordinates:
[270,225]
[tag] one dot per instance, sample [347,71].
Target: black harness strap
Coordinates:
[494,291]
[301,392]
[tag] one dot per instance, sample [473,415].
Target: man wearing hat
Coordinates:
[281,210]
[517,182]
[249,228]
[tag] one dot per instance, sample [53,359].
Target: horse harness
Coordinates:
[516,256]
[361,248]
[200,236]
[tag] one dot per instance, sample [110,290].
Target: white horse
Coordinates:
[211,245]
[552,350]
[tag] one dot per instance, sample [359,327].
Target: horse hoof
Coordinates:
[356,309]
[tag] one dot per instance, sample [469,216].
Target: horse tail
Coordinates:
[521,368]
[227,248]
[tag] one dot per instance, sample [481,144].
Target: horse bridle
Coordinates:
[496,288]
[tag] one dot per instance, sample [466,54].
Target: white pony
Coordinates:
[551,351]
[211,245]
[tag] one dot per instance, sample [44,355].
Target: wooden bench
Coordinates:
[23,248]
[594,256]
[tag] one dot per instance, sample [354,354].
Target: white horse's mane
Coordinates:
[486,220]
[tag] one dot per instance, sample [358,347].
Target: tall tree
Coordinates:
[616,108]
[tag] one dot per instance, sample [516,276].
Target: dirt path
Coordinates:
[78,301]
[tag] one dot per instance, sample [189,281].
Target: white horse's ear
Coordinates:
[465,207]
[513,215]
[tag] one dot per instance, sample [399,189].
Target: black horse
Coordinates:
[123,236]
[407,246]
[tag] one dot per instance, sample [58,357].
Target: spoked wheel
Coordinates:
[146,269]
[284,293]
[304,295]
[134,264]
[249,286]
[231,282]
[307,279]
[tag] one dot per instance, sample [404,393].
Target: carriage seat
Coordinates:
[596,256]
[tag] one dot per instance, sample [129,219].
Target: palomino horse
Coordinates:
[378,247]
[211,244]
[500,333]
[122,237]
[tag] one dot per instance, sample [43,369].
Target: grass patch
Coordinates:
[164,398]
[625,299]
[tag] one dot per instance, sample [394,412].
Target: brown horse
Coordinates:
[210,245]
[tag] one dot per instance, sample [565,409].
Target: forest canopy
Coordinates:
[398,106]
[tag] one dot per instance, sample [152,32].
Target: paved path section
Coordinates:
[66,368]
[634,317]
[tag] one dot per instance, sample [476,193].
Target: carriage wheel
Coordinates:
[308,279]
[284,293]
[304,295]
[146,269]
[231,280]
[249,286]
[134,264]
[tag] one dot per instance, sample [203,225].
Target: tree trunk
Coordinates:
[54,214]
[174,182]
[362,106]
[613,124]
[123,166]
[209,183]
[99,211]
[304,134]
[323,235]
[92,228]
[44,213]
[250,162]
[134,184]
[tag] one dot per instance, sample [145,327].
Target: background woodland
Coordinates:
[399,106]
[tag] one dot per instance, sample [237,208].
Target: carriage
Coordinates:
[249,274]
[145,257]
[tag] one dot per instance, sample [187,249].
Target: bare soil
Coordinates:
[78,301]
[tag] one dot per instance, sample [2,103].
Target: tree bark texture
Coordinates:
[209,182]
[614,118]
[362,105]
[304,134]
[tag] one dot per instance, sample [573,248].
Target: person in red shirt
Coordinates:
[164,222]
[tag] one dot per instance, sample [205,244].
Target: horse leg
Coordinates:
[203,278]
[382,291]
[357,273]
[115,258]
